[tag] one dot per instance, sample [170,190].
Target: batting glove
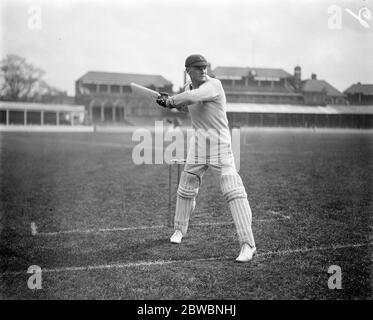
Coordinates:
[165,101]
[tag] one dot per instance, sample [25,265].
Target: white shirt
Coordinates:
[207,108]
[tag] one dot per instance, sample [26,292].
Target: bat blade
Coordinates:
[144,92]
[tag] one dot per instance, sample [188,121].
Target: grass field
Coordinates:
[100,222]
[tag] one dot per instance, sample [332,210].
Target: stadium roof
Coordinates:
[366,89]
[254,91]
[297,109]
[111,78]
[314,85]
[21,106]
[239,72]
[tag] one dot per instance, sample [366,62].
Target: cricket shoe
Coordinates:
[176,237]
[246,253]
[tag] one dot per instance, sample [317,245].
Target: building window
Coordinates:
[114,89]
[225,82]
[240,82]
[2,116]
[279,84]
[34,117]
[91,87]
[103,88]
[50,118]
[126,89]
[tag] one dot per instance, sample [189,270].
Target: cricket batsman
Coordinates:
[204,98]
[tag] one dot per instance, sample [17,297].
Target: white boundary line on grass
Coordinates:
[167,262]
[34,231]
[275,213]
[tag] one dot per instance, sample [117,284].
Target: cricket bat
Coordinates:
[144,92]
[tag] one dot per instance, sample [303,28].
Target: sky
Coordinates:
[70,37]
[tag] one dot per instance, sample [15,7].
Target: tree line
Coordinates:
[20,80]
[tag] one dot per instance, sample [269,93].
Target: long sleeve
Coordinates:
[206,92]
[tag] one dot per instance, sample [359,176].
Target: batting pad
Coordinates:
[232,187]
[189,185]
[236,196]
[184,209]
[186,202]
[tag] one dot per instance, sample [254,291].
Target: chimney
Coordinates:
[313,76]
[297,77]
[297,72]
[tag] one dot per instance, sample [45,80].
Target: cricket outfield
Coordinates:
[76,205]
